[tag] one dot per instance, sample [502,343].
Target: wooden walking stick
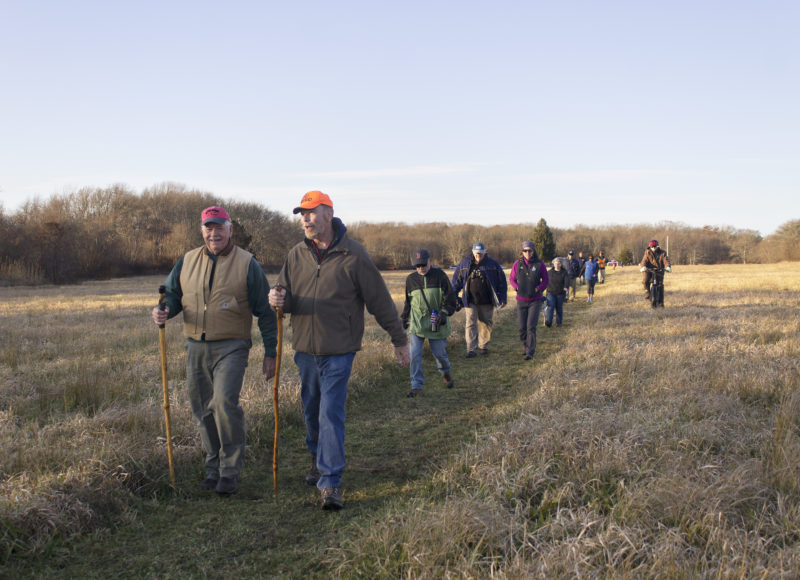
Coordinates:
[162,341]
[276,383]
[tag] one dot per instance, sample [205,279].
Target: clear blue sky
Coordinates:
[493,112]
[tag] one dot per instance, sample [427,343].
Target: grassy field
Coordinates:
[637,443]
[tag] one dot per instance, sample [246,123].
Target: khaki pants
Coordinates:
[478,326]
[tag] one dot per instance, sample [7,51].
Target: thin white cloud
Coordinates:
[602,176]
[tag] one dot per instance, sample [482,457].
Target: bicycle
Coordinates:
[656,289]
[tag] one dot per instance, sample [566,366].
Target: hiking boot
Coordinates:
[413,393]
[208,484]
[228,485]
[470,354]
[483,350]
[528,356]
[332,498]
[312,477]
[548,324]
[448,380]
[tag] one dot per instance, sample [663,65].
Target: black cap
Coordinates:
[420,257]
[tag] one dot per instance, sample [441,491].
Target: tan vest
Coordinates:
[224,312]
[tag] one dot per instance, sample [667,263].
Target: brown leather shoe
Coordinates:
[448,380]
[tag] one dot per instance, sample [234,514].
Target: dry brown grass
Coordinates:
[81,417]
[654,443]
[649,444]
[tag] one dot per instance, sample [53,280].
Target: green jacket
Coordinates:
[326,298]
[436,289]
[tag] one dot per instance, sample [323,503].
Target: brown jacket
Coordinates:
[657,259]
[326,299]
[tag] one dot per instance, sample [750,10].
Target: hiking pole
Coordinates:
[279,352]
[162,341]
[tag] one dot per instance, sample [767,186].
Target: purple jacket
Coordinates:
[521,281]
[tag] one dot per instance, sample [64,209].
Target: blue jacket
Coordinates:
[493,272]
[590,270]
[574,267]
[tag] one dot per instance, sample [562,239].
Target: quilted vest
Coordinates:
[222,312]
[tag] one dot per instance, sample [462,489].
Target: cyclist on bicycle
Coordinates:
[654,263]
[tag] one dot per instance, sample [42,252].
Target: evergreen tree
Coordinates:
[625,257]
[543,238]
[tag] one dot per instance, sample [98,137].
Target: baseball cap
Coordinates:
[214,214]
[479,248]
[312,199]
[420,257]
[571,253]
[653,243]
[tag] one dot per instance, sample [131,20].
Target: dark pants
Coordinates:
[527,318]
[554,302]
[648,277]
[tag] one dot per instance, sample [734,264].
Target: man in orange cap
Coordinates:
[325,283]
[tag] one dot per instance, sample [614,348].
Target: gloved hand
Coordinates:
[642,269]
[459,304]
[442,317]
[405,324]
[669,269]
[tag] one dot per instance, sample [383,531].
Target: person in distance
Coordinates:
[483,287]
[429,304]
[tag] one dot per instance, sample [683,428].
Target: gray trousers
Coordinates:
[214,377]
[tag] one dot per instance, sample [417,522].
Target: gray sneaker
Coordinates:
[332,498]
[312,477]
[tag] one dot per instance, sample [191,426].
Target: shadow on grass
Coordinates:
[394,445]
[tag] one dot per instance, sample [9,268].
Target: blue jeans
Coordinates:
[439,351]
[214,375]
[527,318]
[324,393]
[554,302]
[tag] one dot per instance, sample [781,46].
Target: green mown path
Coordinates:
[393,444]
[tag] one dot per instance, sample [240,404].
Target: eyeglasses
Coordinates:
[526,250]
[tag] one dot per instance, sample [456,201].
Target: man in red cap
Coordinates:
[220,287]
[654,263]
[325,283]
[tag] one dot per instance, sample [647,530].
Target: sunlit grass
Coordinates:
[641,442]
[654,443]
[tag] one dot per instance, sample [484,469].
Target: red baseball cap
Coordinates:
[312,199]
[214,214]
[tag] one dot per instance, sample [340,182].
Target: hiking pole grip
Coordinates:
[162,342]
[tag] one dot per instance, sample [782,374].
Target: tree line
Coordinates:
[108,232]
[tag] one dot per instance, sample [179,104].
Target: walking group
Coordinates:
[325,284]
